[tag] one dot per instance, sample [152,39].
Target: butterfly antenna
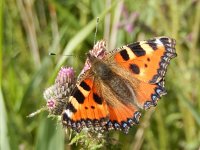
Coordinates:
[95,34]
[52,54]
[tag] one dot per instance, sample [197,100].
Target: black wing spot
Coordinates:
[92,107]
[137,49]
[134,68]
[65,117]
[164,40]
[148,59]
[86,107]
[71,108]
[124,55]
[145,65]
[153,45]
[85,86]
[97,99]
[78,96]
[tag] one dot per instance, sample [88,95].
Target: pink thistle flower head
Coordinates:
[57,95]
[65,75]
[99,49]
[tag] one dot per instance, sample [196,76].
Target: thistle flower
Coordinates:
[99,49]
[57,95]
[66,75]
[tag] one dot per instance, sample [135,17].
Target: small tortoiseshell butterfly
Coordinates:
[114,86]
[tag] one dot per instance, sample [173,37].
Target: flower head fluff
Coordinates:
[57,95]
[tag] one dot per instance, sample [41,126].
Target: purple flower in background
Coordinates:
[128,20]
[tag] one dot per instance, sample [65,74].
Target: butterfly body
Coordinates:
[116,85]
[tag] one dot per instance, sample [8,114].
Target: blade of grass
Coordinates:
[27,15]
[4,139]
[114,30]
[184,100]
[162,133]
[1,37]
[50,135]
[37,77]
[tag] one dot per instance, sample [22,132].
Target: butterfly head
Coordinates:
[93,58]
[99,67]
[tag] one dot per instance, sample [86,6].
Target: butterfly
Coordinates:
[115,86]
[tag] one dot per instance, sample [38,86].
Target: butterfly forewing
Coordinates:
[147,61]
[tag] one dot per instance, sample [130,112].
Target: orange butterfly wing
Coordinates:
[122,117]
[147,61]
[85,107]
[88,108]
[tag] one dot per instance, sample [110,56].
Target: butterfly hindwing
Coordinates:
[122,114]
[93,104]
[122,117]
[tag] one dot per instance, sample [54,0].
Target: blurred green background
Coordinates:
[30,29]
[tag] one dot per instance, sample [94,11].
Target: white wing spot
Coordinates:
[69,113]
[159,42]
